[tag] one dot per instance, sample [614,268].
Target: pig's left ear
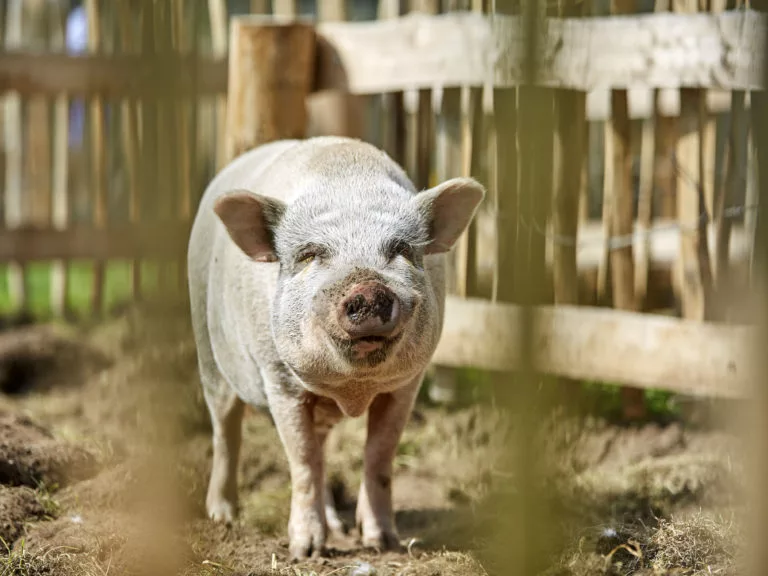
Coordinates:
[449,208]
[250,220]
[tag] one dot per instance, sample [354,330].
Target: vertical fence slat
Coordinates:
[622,216]
[505,108]
[691,207]
[392,107]
[217,11]
[170,149]
[418,106]
[570,140]
[606,220]
[260,6]
[98,173]
[60,175]
[129,120]
[735,180]
[285,8]
[751,198]
[336,111]
[182,107]
[13,158]
[644,211]
[446,107]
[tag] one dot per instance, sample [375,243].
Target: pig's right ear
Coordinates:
[250,220]
[449,208]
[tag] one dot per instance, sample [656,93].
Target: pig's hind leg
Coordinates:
[226,410]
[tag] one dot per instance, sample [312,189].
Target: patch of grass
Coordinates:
[696,543]
[17,561]
[268,509]
[604,399]
[80,283]
[47,500]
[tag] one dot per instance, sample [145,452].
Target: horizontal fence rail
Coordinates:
[606,345]
[452,50]
[464,49]
[114,75]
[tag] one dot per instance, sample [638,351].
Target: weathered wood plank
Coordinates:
[112,76]
[654,50]
[635,349]
[158,240]
[455,49]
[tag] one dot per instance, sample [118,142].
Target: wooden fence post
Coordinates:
[622,216]
[271,70]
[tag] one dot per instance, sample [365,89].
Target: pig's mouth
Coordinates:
[369,350]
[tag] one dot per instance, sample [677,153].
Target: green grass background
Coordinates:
[117,289]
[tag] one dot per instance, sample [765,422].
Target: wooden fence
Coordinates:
[645,146]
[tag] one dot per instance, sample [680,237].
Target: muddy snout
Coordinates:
[369,309]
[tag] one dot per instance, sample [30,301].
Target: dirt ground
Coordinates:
[105,450]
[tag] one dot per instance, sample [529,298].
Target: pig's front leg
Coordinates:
[387,417]
[294,422]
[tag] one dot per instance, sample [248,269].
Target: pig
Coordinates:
[317,288]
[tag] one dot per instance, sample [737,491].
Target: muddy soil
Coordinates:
[104,462]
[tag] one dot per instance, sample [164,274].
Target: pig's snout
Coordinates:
[369,309]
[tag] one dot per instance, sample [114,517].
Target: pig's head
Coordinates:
[355,312]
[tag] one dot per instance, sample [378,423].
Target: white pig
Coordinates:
[316,278]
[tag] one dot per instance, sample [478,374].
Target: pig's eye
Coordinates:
[306,258]
[308,255]
[401,249]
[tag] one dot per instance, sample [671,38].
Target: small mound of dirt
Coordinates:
[31,456]
[127,543]
[17,506]
[38,358]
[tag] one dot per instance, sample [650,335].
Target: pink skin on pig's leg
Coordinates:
[387,417]
[293,418]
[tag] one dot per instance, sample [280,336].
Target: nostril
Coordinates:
[355,307]
[383,306]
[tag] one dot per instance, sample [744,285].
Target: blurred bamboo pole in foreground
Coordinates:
[525,537]
[756,433]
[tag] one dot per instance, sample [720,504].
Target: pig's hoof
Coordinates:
[383,541]
[304,548]
[222,511]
